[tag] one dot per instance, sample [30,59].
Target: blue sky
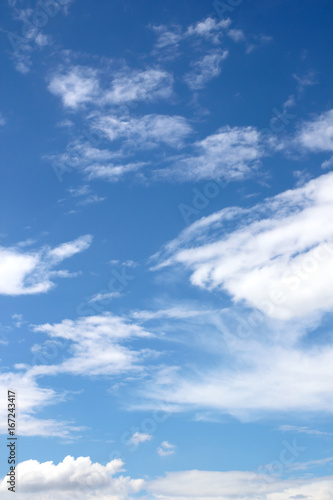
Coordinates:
[167,248]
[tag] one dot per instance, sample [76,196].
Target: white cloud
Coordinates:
[140,86]
[308,80]
[317,135]
[139,437]
[327,163]
[231,153]
[84,196]
[278,257]
[99,297]
[303,430]
[30,272]
[96,346]
[209,28]
[145,132]
[80,85]
[2,120]
[169,37]
[112,172]
[260,378]
[205,69]
[205,485]
[31,398]
[79,479]
[236,35]
[166,449]
[75,87]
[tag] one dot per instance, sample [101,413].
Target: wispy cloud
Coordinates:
[205,69]
[272,259]
[25,273]
[231,153]
[81,85]
[98,346]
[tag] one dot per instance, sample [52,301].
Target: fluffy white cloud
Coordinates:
[23,273]
[79,479]
[75,87]
[317,135]
[278,257]
[205,69]
[80,85]
[96,346]
[229,153]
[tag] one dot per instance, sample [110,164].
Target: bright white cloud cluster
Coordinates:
[316,136]
[23,273]
[278,257]
[83,479]
[79,479]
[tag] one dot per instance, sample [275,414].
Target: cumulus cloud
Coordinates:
[317,135]
[23,273]
[79,479]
